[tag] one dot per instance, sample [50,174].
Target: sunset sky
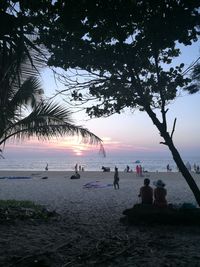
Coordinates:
[124,134]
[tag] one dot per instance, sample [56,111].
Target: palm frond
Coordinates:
[20,89]
[49,120]
[26,93]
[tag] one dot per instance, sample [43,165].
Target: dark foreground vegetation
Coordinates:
[13,210]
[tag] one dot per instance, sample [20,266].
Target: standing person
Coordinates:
[137,170]
[140,171]
[47,167]
[168,167]
[160,194]
[76,167]
[116,179]
[127,168]
[146,193]
[195,167]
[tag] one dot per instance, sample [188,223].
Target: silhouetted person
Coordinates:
[127,168]
[76,167]
[116,179]
[146,192]
[47,167]
[105,169]
[160,194]
[168,168]
[197,169]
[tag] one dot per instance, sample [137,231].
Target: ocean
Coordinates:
[151,164]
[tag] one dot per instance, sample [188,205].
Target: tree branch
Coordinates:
[173,128]
[160,90]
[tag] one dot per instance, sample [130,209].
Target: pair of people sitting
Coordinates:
[159,194]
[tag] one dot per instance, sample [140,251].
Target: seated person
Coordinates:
[75,176]
[105,169]
[146,192]
[160,194]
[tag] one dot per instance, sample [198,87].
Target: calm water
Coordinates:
[92,163]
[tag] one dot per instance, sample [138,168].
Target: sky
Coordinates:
[130,133]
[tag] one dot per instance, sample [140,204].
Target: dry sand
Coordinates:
[88,231]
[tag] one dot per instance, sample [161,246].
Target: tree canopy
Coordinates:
[126,48]
[122,50]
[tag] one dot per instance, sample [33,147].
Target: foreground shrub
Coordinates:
[11,210]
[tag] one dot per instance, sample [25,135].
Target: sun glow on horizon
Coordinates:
[76,147]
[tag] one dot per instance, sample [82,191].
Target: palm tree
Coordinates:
[23,111]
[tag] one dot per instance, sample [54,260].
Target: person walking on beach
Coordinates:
[116,179]
[160,194]
[146,193]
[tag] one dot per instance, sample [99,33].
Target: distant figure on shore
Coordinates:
[140,170]
[116,179]
[76,167]
[47,167]
[197,169]
[168,168]
[146,193]
[160,194]
[127,168]
[137,170]
[105,169]
[188,166]
[75,176]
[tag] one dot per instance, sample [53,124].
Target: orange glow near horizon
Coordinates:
[74,146]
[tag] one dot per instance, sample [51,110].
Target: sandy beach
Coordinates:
[88,225]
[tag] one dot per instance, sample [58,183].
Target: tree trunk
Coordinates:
[182,168]
[176,156]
